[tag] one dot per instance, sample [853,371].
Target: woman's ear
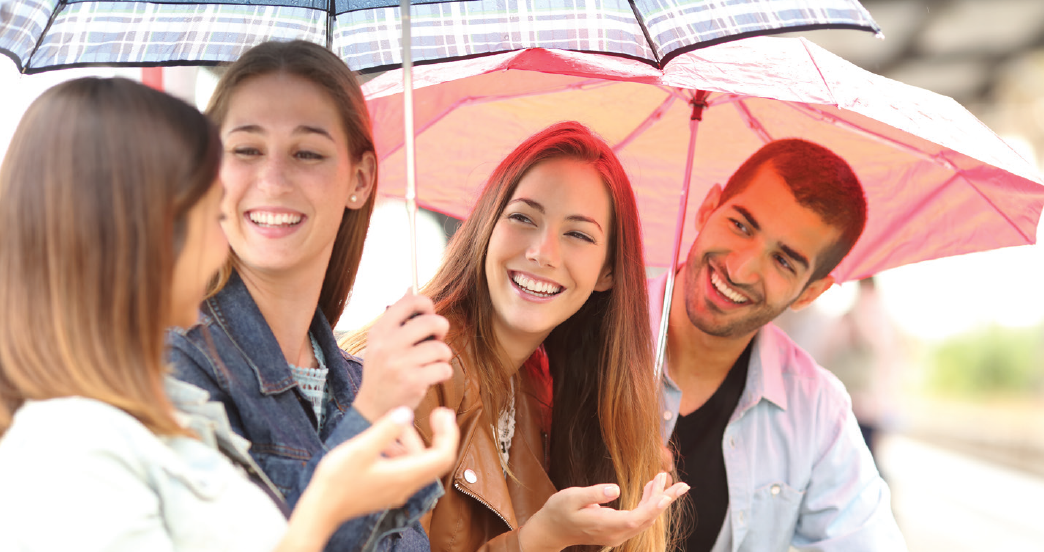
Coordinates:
[605,281]
[363,178]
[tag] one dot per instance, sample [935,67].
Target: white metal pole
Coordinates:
[698,103]
[411,161]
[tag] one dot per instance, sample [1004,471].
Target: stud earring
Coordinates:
[353,198]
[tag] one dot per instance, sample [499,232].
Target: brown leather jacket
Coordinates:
[482,509]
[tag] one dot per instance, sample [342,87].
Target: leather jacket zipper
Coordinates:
[484,503]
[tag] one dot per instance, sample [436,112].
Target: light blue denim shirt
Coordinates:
[799,473]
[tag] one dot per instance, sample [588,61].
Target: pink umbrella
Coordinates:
[938,181]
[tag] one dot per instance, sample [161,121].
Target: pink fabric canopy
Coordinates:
[938,181]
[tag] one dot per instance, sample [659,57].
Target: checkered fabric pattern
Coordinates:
[452,29]
[677,25]
[124,32]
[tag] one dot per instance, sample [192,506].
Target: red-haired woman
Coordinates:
[544,288]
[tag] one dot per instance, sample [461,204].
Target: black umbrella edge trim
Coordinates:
[172,63]
[14,57]
[800,28]
[393,66]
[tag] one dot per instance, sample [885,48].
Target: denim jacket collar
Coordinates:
[235,312]
[209,421]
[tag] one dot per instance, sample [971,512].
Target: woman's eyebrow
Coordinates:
[301,129]
[583,218]
[536,206]
[306,129]
[531,202]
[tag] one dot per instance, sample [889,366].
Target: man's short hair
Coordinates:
[820,181]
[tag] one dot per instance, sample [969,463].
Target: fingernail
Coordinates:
[684,489]
[612,490]
[402,415]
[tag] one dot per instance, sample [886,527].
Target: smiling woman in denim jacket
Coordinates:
[109,192]
[300,174]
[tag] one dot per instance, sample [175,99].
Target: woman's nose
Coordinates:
[273,177]
[544,250]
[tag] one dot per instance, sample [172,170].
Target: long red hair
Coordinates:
[605,424]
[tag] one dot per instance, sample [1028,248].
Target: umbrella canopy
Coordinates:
[937,180]
[48,34]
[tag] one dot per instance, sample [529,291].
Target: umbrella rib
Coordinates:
[331,8]
[883,239]
[645,31]
[50,21]
[649,121]
[875,136]
[998,210]
[752,122]
[479,100]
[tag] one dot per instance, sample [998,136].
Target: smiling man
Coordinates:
[764,436]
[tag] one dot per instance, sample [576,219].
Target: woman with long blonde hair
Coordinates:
[544,288]
[111,201]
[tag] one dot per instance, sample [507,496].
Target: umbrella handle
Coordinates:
[411,160]
[699,102]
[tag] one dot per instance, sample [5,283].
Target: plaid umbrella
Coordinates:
[40,35]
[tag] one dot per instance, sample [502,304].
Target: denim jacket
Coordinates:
[251,378]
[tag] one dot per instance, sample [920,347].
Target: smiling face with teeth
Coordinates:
[548,249]
[753,258]
[288,174]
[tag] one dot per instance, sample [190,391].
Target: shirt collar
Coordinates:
[765,374]
[234,310]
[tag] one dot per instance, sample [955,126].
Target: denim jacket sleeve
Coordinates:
[402,522]
[193,365]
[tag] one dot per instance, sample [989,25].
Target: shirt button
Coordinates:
[469,476]
[740,516]
[667,414]
[732,442]
[775,490]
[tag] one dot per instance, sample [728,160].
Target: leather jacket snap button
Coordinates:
[470,476]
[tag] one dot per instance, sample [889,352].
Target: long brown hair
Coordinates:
[324,69]
[605,425]
[95,188]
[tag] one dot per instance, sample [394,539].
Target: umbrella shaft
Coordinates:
[668,290]
[411,164]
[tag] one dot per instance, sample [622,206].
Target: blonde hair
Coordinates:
[95,188]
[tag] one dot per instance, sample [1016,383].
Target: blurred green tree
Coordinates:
[994,361]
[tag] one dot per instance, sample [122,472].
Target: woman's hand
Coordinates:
[401,362]
[357,477]
[575,516]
